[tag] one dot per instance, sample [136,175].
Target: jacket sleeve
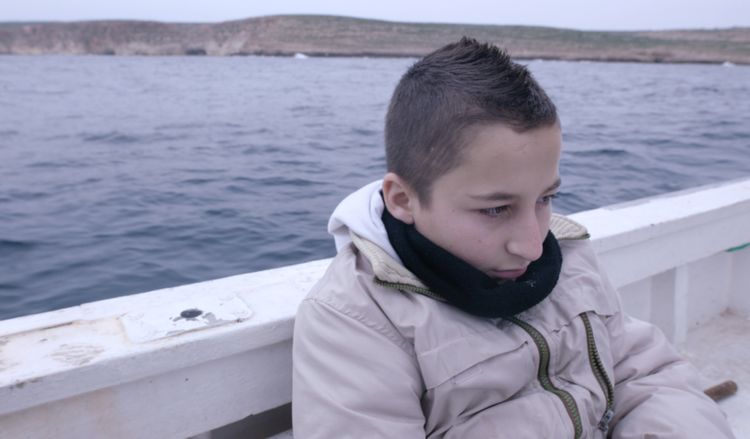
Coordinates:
[657,393]
[352,378]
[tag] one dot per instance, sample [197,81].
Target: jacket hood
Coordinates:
[360,213]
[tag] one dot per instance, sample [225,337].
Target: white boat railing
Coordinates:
[180,362]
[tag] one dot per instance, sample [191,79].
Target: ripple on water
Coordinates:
[9,246]
[109,137]
[603,152]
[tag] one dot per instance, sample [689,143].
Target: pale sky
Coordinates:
[577,14]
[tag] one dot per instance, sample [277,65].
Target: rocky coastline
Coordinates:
[287,35]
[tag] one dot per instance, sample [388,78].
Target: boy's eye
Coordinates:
[495,211]
[547,199]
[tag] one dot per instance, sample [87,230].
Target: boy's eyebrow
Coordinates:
[502,196]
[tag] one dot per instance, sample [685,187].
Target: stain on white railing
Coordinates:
[177,318]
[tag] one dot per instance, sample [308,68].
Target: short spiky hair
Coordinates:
[453,88]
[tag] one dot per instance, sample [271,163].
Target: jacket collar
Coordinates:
[387,269]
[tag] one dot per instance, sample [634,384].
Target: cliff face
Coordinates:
[343,36]
[100,37]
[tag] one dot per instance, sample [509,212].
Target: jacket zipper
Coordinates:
[544,356]
[544,379]
[408,287]
[601,375]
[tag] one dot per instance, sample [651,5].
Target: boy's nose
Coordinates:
[526,240]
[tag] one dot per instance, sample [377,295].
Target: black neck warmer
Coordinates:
[466,287]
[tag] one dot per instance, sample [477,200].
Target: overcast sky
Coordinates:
[577,14]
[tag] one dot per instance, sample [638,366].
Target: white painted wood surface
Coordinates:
[134,367]
[668,254]
[95,371]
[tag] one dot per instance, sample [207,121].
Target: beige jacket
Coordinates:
[375,357]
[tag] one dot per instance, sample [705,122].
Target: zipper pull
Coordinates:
[604,422]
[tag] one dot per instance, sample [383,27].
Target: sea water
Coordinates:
[127,174]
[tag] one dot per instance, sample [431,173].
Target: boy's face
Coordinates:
[493,210]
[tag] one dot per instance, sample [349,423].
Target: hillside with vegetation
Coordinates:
[315,35]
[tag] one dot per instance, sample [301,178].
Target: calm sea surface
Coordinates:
[125,174]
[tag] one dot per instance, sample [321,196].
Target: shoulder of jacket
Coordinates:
[347,291]
[565,228]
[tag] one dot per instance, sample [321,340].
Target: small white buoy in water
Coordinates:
[727,64]
[299,55]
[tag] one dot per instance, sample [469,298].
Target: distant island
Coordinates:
[318,35]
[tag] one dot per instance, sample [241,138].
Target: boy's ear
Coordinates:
[399,198]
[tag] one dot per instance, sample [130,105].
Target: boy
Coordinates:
[458,306]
